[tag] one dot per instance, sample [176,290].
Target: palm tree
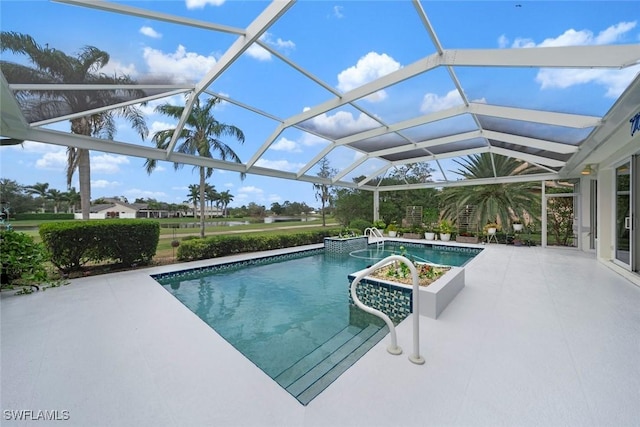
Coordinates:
[200,136]
[493,202]
[54,66]
[56,196]
[40,189]
[225,198]
[72,197]
[193,197]
[211,195]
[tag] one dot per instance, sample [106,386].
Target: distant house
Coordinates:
[115,208]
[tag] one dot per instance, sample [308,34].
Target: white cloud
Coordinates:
[250,189]
[503,41]
[228,185]
[200,4]
[284,144]
[283,165]
[342,122]
[103,183]
[310,140]
[337,12]
[120,69]
[614,81]
[52,161]
[150,32]
[272,198]
[158,126]
[258,52]
[108,163]
[181,66]
[136,193]
[432,102]
[32,147]
[368,68]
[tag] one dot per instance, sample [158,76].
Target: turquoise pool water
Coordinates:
[290,317]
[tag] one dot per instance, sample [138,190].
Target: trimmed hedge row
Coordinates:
[41,216]
[221,245]
[128,241]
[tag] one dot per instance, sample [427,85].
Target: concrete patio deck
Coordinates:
[537,337]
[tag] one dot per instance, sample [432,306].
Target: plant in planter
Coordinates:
[467,237]
[517,225]
[445,228]
[430,232]
[346,233]
[490,229]
[414,232]
[392,229]
[400,272]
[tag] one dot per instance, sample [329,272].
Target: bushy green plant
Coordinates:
[445,227]
[379,224]
[128,241]
[23,260]
[359,225]
[222,245]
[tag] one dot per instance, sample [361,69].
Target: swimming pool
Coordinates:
[290,315]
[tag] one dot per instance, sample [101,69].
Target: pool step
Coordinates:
[302,366]
[319,369]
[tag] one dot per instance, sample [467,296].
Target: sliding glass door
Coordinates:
[623,215]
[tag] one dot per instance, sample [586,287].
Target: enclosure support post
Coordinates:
[543,217]
[376,205]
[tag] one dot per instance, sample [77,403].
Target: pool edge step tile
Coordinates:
[308,362]
[325,381]
[332,360]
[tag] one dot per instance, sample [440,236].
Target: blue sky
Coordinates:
[345,44]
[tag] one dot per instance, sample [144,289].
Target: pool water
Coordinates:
[291,318]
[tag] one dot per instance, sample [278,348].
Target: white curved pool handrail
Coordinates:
[374,232]
[393,348]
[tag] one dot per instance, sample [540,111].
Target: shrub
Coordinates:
[222,245]
[380,224]
[23,260]
[359,225]
[41,216]
[72,244]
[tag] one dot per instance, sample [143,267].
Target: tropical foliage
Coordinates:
[493,202]
[200,136]
[54,66]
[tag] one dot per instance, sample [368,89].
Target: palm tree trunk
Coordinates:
[202,202]
[84,176]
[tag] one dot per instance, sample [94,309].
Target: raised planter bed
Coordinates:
[338,245]
[412,236]
[467,239]
[395,299]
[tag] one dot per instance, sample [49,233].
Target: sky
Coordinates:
[344,44]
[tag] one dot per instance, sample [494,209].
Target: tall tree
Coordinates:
[323,190]
[54,66]
[56,196]
[493,202]
[193,197]
[225,198]
[72,197]
[212,196]
[41,190]
[200,136]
